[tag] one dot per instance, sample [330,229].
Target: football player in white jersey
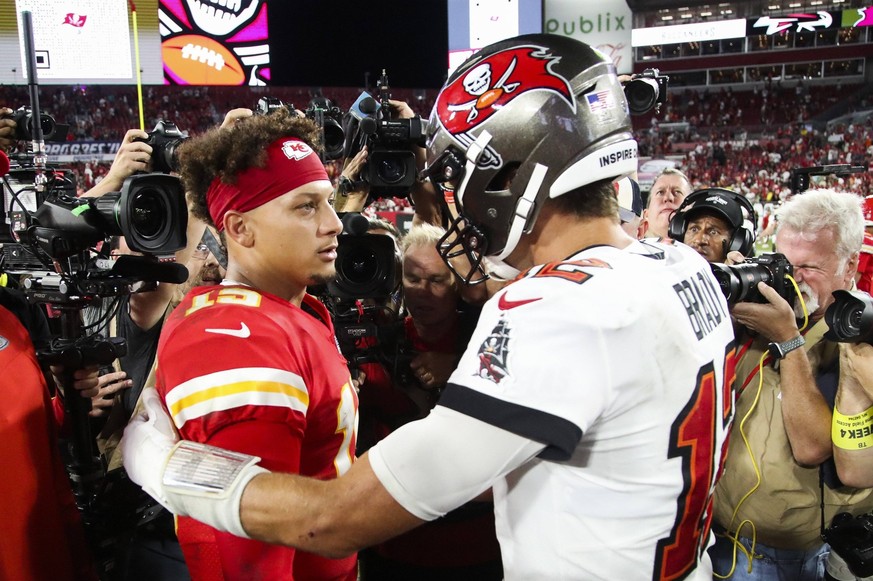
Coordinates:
[594,396]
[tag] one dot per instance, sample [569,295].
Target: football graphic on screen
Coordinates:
[192,59]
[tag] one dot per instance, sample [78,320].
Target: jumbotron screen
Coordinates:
[477,23]
[181,42]
[212,42]
[80,41]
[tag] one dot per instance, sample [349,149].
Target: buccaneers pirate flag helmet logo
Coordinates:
[501,77]
[521,121]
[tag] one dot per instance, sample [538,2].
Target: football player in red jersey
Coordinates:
[251,364]
[594,411]
[864,276]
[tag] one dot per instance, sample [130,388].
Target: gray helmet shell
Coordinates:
[546,111]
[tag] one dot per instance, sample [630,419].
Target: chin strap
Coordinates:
[524,209]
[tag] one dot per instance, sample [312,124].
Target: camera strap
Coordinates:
[821,500]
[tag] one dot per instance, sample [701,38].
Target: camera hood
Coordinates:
[366,267]
[850,317]
[149,211]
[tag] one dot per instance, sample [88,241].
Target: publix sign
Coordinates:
[605,25]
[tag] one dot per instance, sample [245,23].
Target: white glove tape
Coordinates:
[207,484]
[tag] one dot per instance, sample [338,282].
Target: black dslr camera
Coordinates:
[24,125]
[852,539]
[391,168]
[327,116]
[850,317]
[646,90]
[739,282]
[165,139]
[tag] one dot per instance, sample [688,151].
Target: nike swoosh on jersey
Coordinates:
[505,304]
[243,332]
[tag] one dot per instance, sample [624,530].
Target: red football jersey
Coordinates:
[43,536]
[245,370]
[865,264]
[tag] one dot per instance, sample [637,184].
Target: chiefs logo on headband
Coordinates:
[296,150]
[498,79]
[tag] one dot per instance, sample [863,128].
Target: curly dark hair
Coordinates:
[224,153]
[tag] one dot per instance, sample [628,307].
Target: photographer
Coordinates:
[714,222]
[786,377]
[463,544]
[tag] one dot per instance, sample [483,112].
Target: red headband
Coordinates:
[290,164]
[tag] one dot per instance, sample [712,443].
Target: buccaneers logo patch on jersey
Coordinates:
[490,85]
[494,353]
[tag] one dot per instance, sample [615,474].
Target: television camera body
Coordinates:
[363,297]
[320,110]
[391,168]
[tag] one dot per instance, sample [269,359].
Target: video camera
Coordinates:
[362,297]
[800,176]
[739,282]
[850,317]
[391,167]
[323,112]
[24,125]
[165,139]
[851,537]
[645,91]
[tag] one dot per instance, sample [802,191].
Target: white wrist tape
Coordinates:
[207,484]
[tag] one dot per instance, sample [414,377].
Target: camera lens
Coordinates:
[47,124]
[164,156]
[641,94]
[739,283]
[152,214]
[334,139]
[850,317]
[391,170]
[366,267]
[148,211]
[360,266]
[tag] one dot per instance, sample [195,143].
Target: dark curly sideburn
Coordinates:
[224,153]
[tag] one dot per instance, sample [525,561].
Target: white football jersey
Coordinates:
[616,361]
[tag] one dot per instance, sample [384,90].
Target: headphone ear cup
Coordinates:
[676,228]
[743,239]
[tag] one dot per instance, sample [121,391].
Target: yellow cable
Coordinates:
[138,68]
[802,302]
[734,537]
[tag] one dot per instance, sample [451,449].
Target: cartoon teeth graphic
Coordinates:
[222,17]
